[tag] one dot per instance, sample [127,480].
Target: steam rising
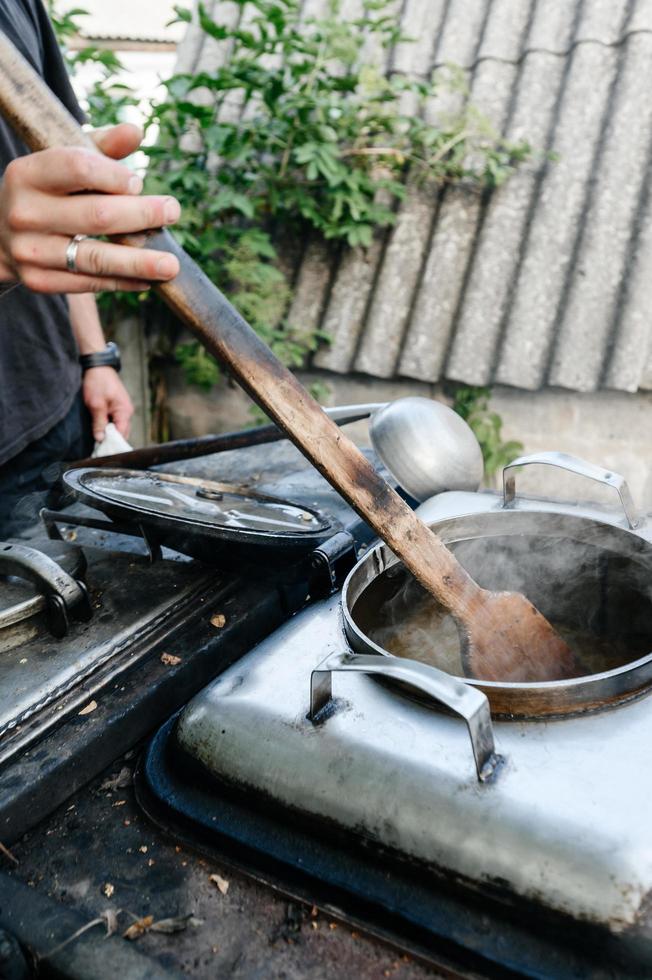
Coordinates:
[599,600]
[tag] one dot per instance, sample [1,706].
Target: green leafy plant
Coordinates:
[472,404]
[107,97]
[298,133]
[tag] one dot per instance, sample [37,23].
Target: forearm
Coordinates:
[85,321]
[104,394]
[41,210]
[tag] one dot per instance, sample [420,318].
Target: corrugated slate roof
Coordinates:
[130,20]
[547,281]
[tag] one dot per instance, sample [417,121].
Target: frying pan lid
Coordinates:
[197,506]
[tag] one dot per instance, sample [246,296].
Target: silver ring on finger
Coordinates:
[71,252]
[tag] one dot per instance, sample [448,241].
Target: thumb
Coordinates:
[118,141]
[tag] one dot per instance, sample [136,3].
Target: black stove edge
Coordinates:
[41,925]
[36,783]
[454,929]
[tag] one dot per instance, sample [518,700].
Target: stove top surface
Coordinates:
[160,630]
[564,823]
[131,600]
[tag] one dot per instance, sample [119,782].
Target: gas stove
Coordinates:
[352,793]
[106,627]
[304,757]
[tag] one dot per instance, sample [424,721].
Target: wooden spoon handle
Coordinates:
[40,119]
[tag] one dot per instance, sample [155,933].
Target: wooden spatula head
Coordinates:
[505,638]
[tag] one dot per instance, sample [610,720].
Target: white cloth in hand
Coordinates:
[112,443]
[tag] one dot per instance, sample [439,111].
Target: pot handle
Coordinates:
[467,702]
[65,596]
[573,464]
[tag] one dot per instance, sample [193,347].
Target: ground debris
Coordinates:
[170,660]
[176,923]
[168,926]
[289,930]
[118,781]
[218,620]
[139,927]
[220,883]
[108,889]
[110,917]
[7,853]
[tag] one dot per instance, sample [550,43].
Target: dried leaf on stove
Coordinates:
[218,620]
[220,883]
[139,927]
[118,781]
[170,660]
[91,706]
[176,924]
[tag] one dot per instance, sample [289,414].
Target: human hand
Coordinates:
[41,208]
[107,400]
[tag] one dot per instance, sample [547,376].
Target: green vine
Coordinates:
[472,404]
[298,133]
[107,97]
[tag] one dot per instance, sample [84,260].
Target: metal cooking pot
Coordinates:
[590,576]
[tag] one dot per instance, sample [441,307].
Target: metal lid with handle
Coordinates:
[573,464]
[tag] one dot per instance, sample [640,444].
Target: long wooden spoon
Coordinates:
[503,636]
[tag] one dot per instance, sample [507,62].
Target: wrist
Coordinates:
[109,356]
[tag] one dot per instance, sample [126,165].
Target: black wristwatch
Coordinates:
[109,357]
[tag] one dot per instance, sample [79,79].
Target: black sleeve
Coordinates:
[53,67]
[26,24]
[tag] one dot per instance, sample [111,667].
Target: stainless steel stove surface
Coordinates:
[133,605]
[159,631]
[563,823]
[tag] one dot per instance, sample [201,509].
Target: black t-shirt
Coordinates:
[39,371]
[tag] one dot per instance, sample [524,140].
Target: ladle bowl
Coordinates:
[426,446]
